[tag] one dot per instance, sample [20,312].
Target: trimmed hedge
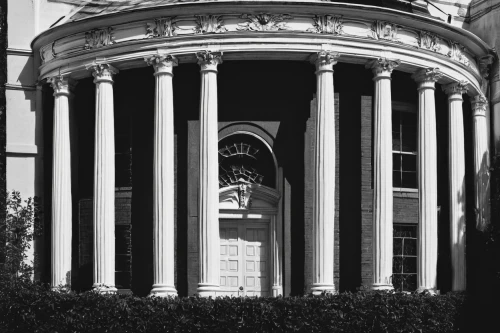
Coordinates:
[32,307]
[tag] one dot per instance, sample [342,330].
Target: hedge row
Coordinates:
[31,307]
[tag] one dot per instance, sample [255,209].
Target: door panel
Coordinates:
[244,258]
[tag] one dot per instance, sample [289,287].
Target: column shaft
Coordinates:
[427,180]
[104,180]
[456,169]
[61,229]
[163,178]
[324,176]
[208,204]
[382,175]
[481,162]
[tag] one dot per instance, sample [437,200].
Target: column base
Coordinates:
[320,288]
[277,291]
[163,290]
[103,289]
[381,286]
[208,290]
[431,291]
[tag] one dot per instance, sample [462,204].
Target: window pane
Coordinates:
[396,141]
[409,180]
[397,265]
[408,118]
[409,264]
[396,179]
[410,247]
[395,121]
[409,139]
[404,269]
[409,163]
[396,162]
[398,246]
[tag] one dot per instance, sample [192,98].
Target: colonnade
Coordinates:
[324,177]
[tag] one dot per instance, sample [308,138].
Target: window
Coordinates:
[245,158]
[404,262]
[404,147]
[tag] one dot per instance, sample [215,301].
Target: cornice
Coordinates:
[374,13]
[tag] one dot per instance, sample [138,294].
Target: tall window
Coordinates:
[404,147]
[404,263]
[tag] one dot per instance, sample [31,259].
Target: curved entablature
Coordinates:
[263,30]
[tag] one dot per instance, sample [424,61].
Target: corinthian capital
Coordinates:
[479,105]
[209,60]
[424,75]
[325,60]
[102,72]
[383,66]
[162,63]
[455,88]
[62,85]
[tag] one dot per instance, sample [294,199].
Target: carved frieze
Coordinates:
[162,27]
[244,201]
[327,24]
[455,53]
[429,41]
[97,38]
[385,30]
[209,24]
[264,22]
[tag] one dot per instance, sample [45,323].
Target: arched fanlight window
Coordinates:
[244,158]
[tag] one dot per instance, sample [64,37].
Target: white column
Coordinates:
[481,162]
[427,180]
[104,180]
[382,174]
[61,229]
[208,192]
[456,172]
[163,177]
[324,176]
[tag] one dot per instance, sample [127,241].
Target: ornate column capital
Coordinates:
[479,105]
[427,77]
[102,72]
[208,60]
[383,67]
[455,90]
[325,60]
[162,63]
[63,86]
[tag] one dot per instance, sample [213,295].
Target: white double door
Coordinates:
[244,258]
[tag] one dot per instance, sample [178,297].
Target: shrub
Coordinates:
[27,306]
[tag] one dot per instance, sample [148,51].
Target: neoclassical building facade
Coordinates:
[262,148]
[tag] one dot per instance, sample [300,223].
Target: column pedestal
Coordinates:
[208,204]
[163,178]
[324,177]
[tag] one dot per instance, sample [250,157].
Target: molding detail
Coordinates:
[455,53]
[163,27]
[244,200]
[209,24]
[327,24]
[264,22]
[97,38]
[385,30]
[460,88]
[429,41]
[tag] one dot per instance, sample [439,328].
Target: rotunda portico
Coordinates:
[211,34]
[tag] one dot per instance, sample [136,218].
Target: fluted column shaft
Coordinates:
[481,162]
[208,216]
[61,229]
[163,178]
[427,180]
[104,180]
[324,176]
[382,175]
[456,172]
